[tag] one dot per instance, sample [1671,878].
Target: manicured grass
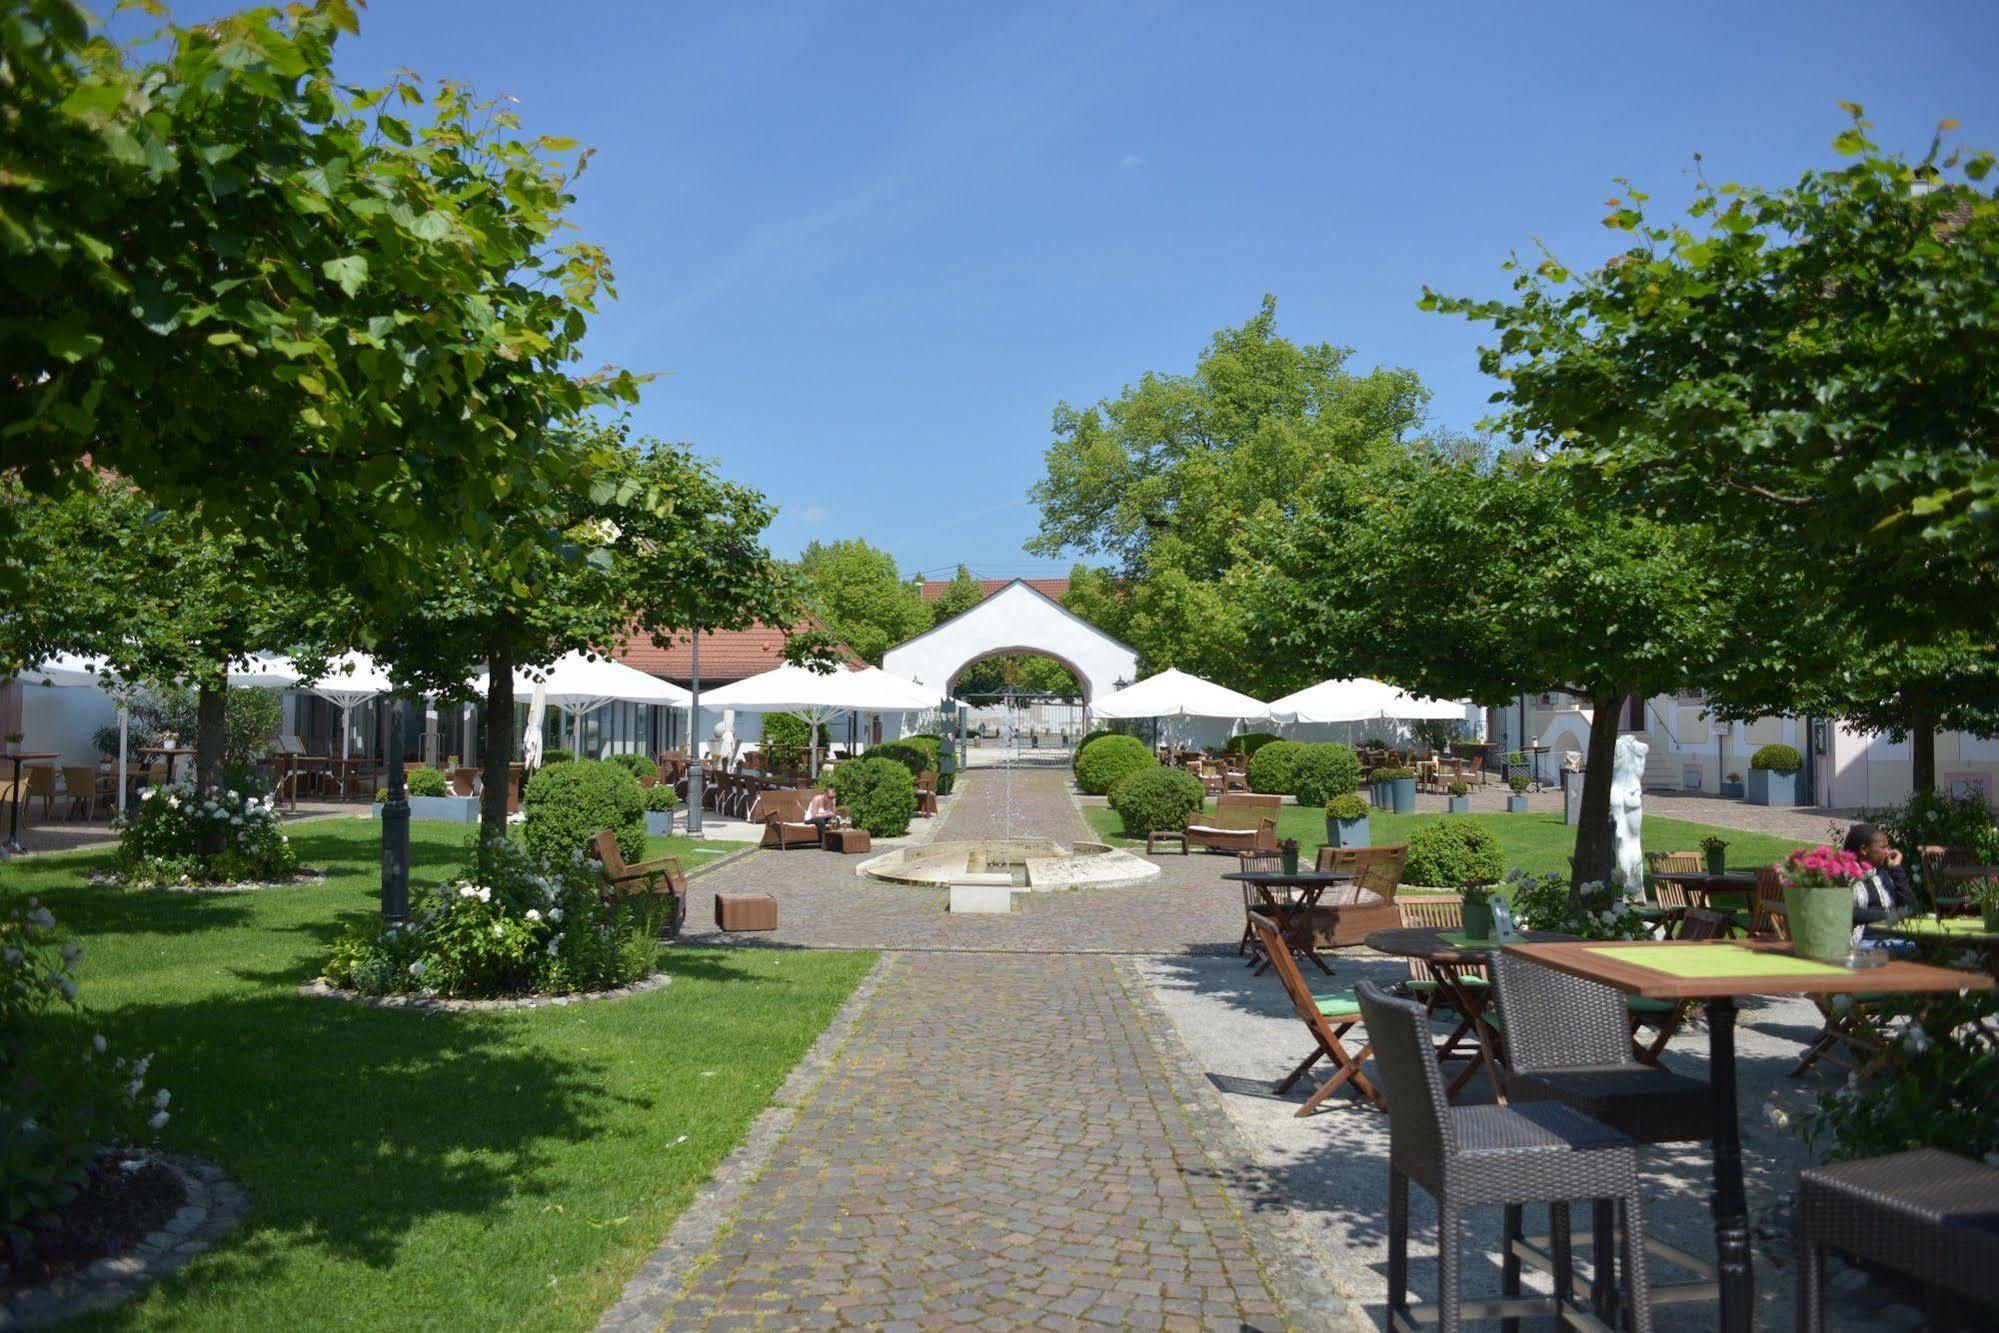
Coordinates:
[406,1170]
[1537,842]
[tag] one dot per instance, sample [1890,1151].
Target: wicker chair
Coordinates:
[84,790]
[1474,1156]
[662,878]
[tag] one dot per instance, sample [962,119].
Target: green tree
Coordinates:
[1021,673]
[861,598]
[302,306]
[1464,581]
[962,594]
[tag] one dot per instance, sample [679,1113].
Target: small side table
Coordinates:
[1178,837]
[848,841]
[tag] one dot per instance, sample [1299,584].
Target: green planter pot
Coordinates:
[1717,864]
[1380,794]
[1992,918]
[1821,921]
[1478,920]
[1290,858]
[1402,796]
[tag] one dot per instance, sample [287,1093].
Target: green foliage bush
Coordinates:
[1273,766]
[424,781]
[1151,799]
[639,766]
[1348,807]
[1520,782]
[1935,1086]
[1076,759]
[1451,852]
[1390,775]
[1110,759]
[162,841]
[1543,902]
[660,797]
[1322,771]
[1777,759]
[569,802]
[1249,742]
[880,794]
[63,1097]
[557,755]
[785,736]
[910,755]
[516,924]
[1459,787]
[250,720]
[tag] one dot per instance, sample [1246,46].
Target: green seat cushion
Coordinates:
[1426,985]
[1338,1004]
[1642,1004]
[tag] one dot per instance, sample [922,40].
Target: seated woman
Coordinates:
[1883,894]
[822,811]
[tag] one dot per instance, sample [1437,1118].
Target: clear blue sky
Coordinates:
[869,247]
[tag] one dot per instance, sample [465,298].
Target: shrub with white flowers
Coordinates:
[516,925]
[1935,1084]
[64,1098]
[1597,912]
[162,841]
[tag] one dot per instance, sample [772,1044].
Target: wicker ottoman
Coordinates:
[1929,1214]
[849,841]
[737,912]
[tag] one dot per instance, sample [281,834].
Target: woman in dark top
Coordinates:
[1884,893]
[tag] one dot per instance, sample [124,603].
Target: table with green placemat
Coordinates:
[1943,937]
[1453,956]
[1720,972]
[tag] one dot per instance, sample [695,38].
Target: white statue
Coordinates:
[1572,761]
[726,745]
[1627,812]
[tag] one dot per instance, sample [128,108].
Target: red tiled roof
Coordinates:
[726,655]
[1055,588]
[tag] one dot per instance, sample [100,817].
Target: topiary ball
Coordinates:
[426,782]
[1321,772]
[566,804]
[1777,759]
[638,765]
[1153,799]
[1076,758]
[1451,852]
[879,794]
[1110,759]
[1272,769]
[1249,742]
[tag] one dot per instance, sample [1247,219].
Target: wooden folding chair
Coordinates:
[1675,863]
[1936,859]
[1769,920]
[1328,1017]
[1665,1016]
[1252,899]
[662,878]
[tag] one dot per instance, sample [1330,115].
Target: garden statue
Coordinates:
[725,746]
[1627,811]
[1572,761]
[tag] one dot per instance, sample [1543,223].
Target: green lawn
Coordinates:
[1537,842]
[405,1170]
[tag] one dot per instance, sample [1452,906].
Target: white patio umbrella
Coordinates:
[579,684]
[818,697]
[1176,694]
[1361,699]
[351,679]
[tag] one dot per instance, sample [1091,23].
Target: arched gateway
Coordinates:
[1016,619]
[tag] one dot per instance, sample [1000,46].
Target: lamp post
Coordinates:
[694,741]
[395,829]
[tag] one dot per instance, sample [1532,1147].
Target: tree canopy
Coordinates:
[962,594]
[860,596]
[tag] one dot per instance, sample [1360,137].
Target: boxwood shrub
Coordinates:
[638,765]
[1076,759]
[660,797]
[426,782]
[1777,759]
[1348,808]
[918,754]
[566,803]
[1451,852]
[557,755]
[1321,772]
[1151,799]
[1249,742]
[1109,759]
[1273,767]
[879,794]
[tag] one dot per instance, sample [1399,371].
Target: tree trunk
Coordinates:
[499,744]
[211,735]
[1593,857]
[1923,751]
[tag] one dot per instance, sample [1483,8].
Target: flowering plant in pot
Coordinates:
[1288,850]
[1477,910]
[1715,850]
[1818,899]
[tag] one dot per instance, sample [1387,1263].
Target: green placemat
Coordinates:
[1457,939]
[1714,960]
[1950,925]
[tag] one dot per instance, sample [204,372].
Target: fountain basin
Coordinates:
[1024,865]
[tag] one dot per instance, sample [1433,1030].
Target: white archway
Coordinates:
[1017,618]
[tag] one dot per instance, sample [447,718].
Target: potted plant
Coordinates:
[1346,821]
[1516,804]
[1516,762]
[13,739]
[1818,900]
[1983,894]
[1732,786]
[429,794]
[1715,850]
[1288,851]
[660,802]
[1460,796]
[1478,911]
[1401,787]
[1773,775]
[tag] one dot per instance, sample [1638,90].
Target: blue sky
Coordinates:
[870,247]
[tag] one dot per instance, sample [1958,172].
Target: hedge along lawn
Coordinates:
[407,1170]
[1538,843]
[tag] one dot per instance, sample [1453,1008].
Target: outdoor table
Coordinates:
[14,805]
[1720,972]
[1937,936]
[1450,955]
[1293,915]
[173,754]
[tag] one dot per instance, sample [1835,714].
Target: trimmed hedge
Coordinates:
[1322,771]
[558,755]
[638,765]
[660,798]
[1777,759]
[566,803]
[785,736]
[1152,799]
[880,794]
[1451,852]
[1076,759]
[905,752]
[426,782]
[1110,759]
[1250,742]
[1273,767]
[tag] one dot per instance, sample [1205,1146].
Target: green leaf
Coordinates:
[350,271]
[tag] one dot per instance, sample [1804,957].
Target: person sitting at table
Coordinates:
[1883,893]
[821,812]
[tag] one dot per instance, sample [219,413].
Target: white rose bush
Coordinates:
[64,1097]
[518,925]
[1598,911]
[178,836]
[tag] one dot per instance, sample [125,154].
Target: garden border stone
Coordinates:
[212,1206]
[319,988]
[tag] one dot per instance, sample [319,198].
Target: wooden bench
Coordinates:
[1240,822]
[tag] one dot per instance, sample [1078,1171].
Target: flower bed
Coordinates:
[178,836]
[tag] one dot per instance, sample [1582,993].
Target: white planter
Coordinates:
[440,809]
[659,823]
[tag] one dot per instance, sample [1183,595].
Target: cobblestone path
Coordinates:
[1039,798]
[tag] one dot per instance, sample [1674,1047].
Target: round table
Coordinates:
[1451,956]
[1293,913]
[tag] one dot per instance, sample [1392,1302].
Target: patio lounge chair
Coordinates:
[661,878]
[782,813]
[1328,1017]
[1240,822]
